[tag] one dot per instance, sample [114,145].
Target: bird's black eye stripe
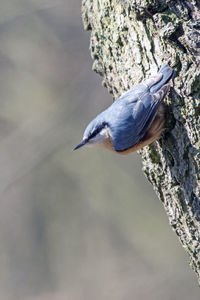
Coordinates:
[94,133]
[98,129]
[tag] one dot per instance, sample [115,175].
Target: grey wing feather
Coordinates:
[144,99]
[143,114]
[153,80]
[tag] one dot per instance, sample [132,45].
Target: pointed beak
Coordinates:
[80,145]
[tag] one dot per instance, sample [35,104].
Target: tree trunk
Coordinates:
[129,42]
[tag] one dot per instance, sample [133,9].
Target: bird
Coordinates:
[134,120]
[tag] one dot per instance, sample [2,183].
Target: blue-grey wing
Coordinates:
[153,84]
[138,108]
[144,113]
[135,125]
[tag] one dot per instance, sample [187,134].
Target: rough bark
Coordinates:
[129,42]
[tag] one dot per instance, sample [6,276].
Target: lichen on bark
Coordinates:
[129,41]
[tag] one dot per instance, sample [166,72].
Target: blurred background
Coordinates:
[82,225]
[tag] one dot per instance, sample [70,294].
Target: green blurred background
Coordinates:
[82,225]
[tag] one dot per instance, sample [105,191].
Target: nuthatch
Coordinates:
[134,120]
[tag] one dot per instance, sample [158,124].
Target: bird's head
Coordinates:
[96,133]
